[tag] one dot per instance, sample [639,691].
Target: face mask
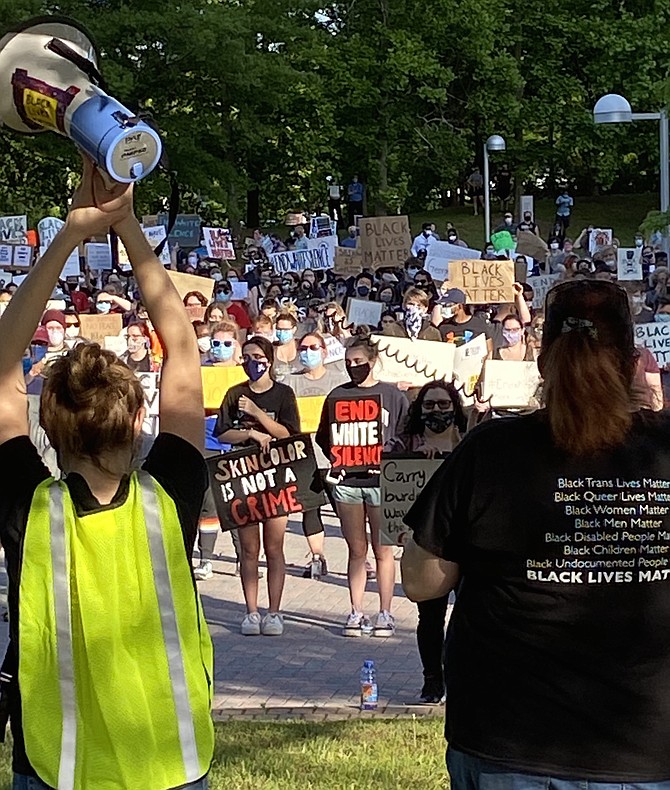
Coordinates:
[233,278]
[57,336]
[136,345]
[192,260]
[508,220]
[255,369]
[217,277]
[103,307]
[311,359]
[414,311]
[27,365]
[386,296]
[362,290]
[358,373]
[428,233]
[222,353]
[447,311]
[662,318]
[439,421]
[204,344]
[490,251]
[284,335]
[554,245]
[527,217]
[222,296]
[638,242]
[512,336]
[412,271]
[72,331]
[452,239]
[341,290]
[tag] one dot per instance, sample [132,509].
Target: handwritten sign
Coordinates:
[23,257]
[415,362]
[484,282]
[219,243]
[385,241]
[440,253]
[48,229]
[334,348]
[149,382]
[97,327]
[402,480]
[14,229]
[510,384]
[361,312]
[355,433]
[98,256]
[599,238]
[155,235]
[348,261]
[319,256]
[541,286]
[655,337]
[186,230]
[629,263]
[185,283]
[251,485]
[468,361]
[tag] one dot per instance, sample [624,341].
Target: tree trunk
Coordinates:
[253,207]
[380,205]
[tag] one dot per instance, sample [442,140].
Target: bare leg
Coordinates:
[352,518]
[385,561]
[274,530]
[250,542]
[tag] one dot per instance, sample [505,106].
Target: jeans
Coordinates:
[471,773]
[22,782]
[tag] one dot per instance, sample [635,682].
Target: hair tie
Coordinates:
[579,325]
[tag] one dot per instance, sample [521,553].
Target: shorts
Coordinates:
[357,495]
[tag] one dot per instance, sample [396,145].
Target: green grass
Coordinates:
[352,755]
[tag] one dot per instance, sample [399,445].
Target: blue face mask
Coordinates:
[255,369]
[311,359]
[103,307]
[221,296]
[662,318]
[27,365]
[284,335]
[220,352]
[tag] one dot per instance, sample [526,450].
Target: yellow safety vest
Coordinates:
[115,658]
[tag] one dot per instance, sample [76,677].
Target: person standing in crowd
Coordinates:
[138,356]
[475,183]
[636,298]
[286,351]
[538,639]
[54,323]
[528,224]
[564,206]
[355,198]
[507,224]
[456,323]
[103,609]
[258,411]
[416,323]
[351,239]
[435,424]
[357,494]
[224,347]
[334,200]
[423,240]
[504,185]
[453,238]
[514,346]
[300,240]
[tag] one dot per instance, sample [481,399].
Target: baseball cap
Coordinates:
[53,315]
[41,336]
[453,296]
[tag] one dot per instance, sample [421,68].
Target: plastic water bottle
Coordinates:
[369,690]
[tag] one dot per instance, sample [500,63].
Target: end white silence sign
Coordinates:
[655,337]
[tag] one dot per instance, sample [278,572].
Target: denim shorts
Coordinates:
[357,495]
[22,782]
[471,773]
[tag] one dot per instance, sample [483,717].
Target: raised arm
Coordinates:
[181,404]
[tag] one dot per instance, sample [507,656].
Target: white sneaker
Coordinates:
[203,571]
[384,625]
[272,625]
[354,624]
[251,625]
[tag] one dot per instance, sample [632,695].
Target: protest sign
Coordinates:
[216,381]
[629,263]
[309,409]
[385,241]
[149,382]
[320,226]
[468,361]
[334,348]
[6,254]
[600,237]
[251,485]
[47,230]
[413,362]
[185,283]
[186,230]
[403,477]
[98,257]
[541,286]
[97,327]
[219,244]
[14,229]
[155,235]
[72,266]
[319,255]
[484,282]
[240,291]
[116,343]
[23,257]
[655,337]
[355,433]
[348,261]
[510,384]
[531,246]
[440,253]
[361,312]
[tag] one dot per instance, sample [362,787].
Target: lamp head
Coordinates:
[496,143]
[612,108]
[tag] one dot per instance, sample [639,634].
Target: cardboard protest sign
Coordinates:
[361,312]
[185,283]
[186,230]
[541,286]
[319,256]
[216,381]
[484,282]
[219,243]
[510,384]
[97,327]
[414,362]
[468,361]
[47,229]
[155,235]
[629,263]
[251,485]
[355,433]
[531,246]
[655,337]
[348,261]
[309,409]
[403,477]
[22,257]
[440,253]
[600,237]
[149,382]
[98,257]
[14,229]
[385,241]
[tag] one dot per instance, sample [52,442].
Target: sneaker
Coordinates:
[317,568]
[432,692]
[384,625]
[203,571]
[251,625]
[272,625]
[354,624]
[370,572]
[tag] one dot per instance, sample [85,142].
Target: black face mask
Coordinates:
[358,373]
[438,421]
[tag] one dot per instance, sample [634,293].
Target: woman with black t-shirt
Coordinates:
[357,494]
[260,410]
[558,650]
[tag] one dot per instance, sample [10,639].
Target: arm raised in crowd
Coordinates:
[180,401]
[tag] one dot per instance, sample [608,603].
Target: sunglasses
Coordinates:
[311,347]
[442,405]
[219,343]
[77,325]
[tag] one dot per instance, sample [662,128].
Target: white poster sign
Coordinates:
[600,237]
[219,243]
[155,236]
[439,255]
[468,361]
[655,337]
[240,291]
[23,255]
[414,362]
[98,257]
[510,384]
[319,255]
[47,229]
[361,312]
[629,263]
[14,229]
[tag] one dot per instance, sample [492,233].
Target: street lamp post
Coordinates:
[494,143]
[613,108]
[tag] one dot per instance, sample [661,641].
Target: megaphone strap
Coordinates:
[60,48]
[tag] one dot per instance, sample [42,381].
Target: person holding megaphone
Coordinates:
[108,677]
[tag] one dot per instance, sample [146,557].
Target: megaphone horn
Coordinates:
[49,81]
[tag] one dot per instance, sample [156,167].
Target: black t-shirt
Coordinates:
[468,330]
[141,366]
[279,402]
[172,461]
[558,649]
[645,316]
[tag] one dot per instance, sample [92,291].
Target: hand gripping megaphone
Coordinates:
[49,81]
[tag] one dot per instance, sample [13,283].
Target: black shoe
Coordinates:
[317,568]
[432,692]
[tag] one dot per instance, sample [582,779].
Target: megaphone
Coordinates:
[49,81]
